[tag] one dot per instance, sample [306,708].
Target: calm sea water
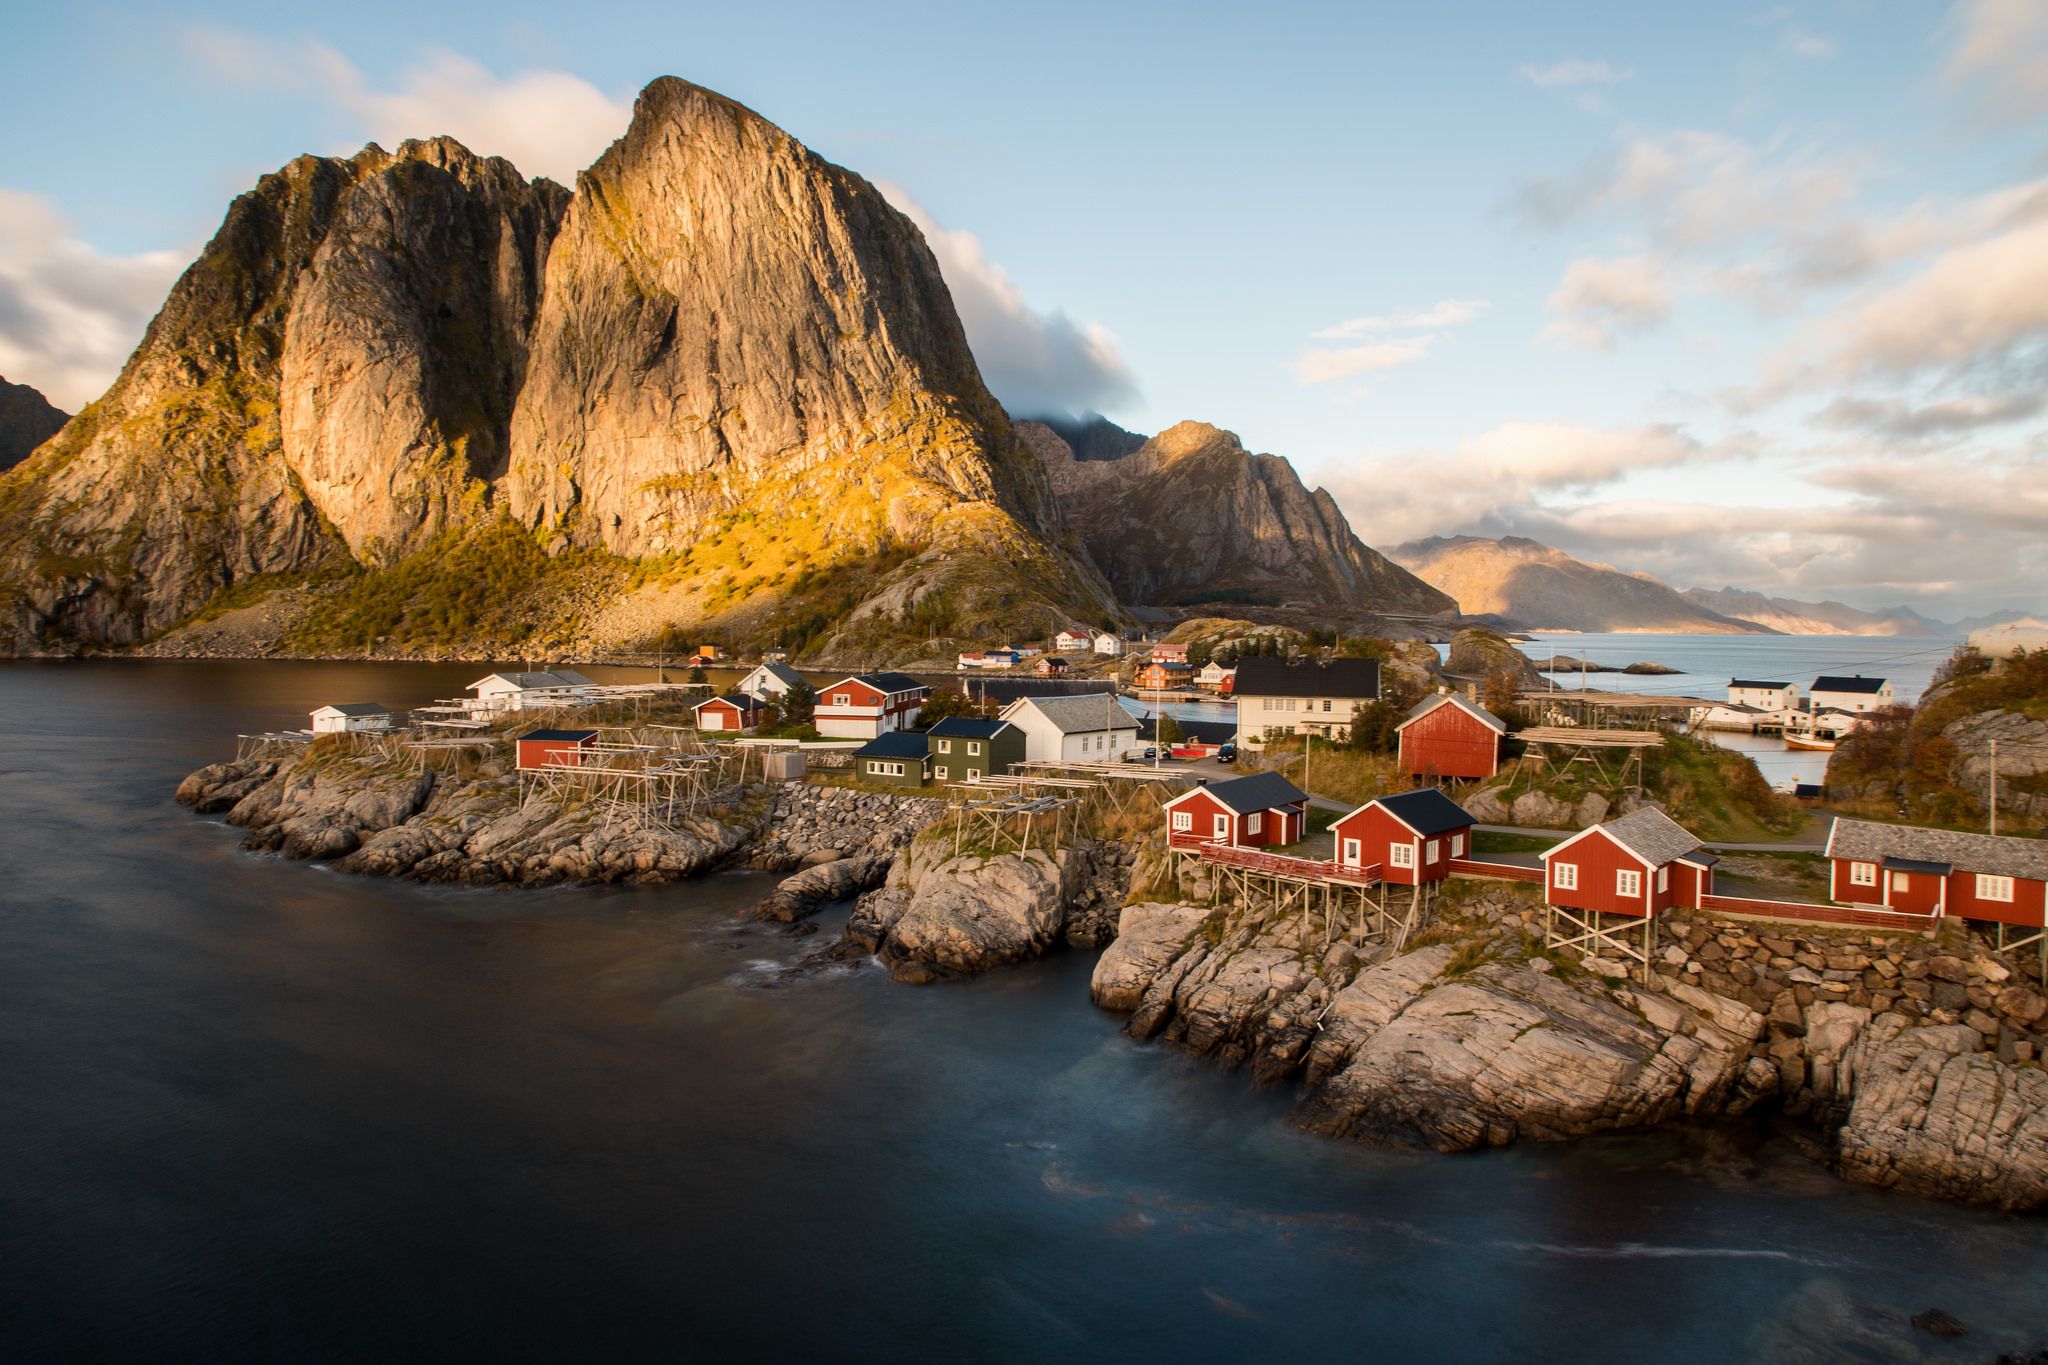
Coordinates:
[251,1109]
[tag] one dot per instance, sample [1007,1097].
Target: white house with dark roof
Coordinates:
[1855,694]
[1280,697]
[768,681]
[1093,727]
[351,717]
[1762,695]
[526,691]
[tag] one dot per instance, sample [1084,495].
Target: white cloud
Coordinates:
[1811,46]
[1599,299]
[2001,53]
[70,314]
[1324,366]
[1445,313]
[1034,362]
[1896,419]
[1574,71]
[544,122]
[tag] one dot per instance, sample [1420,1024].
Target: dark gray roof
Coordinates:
[968,727]
[1083,713]
[357,708]
[1259,791]
[1651,835]
[746,701]
[782,673]
[1859,683]
[893,682]
[1425,810]
[1751,682]
[1999,855]
[1473,709]
[1917,865]
[895,744]
[561,736]
[1358,679]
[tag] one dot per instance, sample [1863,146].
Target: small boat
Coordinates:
[1814,742]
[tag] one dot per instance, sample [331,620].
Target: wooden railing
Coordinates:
[1818,914]
[1274,864]
[1503,872]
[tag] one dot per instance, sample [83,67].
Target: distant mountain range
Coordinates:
[1530,585]
[27,419]
[1535,587]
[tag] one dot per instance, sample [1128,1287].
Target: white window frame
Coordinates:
[842,699]
[1401,855]
[1628,882]
[1254,822]
[1183,820]
[1354,853]
[1863,874]
[1565,876]
[1457,845]
[1664,878]
[884,768]
[1431,852]
[1220,826]
[945,746]
[973,774]
[1992,887]
[973,748]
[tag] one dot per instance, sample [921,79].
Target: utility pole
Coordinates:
[1308,744]
[1994,786]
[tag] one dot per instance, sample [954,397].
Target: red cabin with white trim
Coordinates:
[1258,811]
[1642,864]
[553,748]
[737,711]
[1939,872]
[1447,736]
[869,705]
[1411,835]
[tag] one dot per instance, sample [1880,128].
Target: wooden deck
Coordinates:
[1284,865]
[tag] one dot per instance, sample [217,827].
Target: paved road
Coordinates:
[1720,848]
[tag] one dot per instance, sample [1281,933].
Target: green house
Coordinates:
[965,748]
[899,758]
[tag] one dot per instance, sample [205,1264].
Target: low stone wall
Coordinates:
[809,820]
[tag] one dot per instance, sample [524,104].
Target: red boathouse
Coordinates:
[1995,878]
[1412,836]
[554,748]
[736,711]
[1261,810]
[1447,736]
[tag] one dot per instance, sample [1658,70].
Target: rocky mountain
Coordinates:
[1813,618]
[27,419]
[720,387]
[1191,517]
[1538,588]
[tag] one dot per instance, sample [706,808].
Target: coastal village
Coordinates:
[973,823]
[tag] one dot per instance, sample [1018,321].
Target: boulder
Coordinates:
[967,914]
[1148,938]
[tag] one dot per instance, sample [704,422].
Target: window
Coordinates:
[1326,703]
[1183,819]
[1628,883]
[974,774]
[842,699]
[1400,855]
[945,746]
[1991,888]
[1430,852]
[1863,874]
[1565,875]
[1663,879]
[880,769]
[973,748]
[1457,845]
[1253,822]
[1901,882]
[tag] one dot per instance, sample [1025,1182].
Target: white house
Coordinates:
[1855,694]
[991,658]
[1071,641]
[356,717]
[1277,697]
[526,691]
[769,681]
[1764,696]
[1213,674]
[1108,645]
[1093,727]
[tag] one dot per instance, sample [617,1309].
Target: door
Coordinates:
[1221,827]
[1354,853]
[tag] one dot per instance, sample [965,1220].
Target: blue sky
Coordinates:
[1728,295]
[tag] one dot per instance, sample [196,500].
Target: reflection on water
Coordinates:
[254,1109]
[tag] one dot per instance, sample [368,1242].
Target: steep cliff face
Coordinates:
[1191,516]
[27,419]
[309,392]
[723,382]
[1539,588]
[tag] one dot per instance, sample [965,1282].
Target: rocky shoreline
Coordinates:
[1898,1060]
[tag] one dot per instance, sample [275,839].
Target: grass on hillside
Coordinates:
[1716,793]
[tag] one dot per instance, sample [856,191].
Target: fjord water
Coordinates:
[251,1109]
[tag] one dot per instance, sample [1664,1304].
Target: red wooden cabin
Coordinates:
[554,748]
[736,711]
[868,705]
[1412,836]
[1447,736]
[1939,872]
[1642,864]
[1261,810]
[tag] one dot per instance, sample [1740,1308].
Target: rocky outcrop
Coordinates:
[1483,654]
[1542,810]
[2022,760]
[27,419]
[1191,516]
[1538,588]
[722,354]
[1933,1115]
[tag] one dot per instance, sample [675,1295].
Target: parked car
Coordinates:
[1227,754]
